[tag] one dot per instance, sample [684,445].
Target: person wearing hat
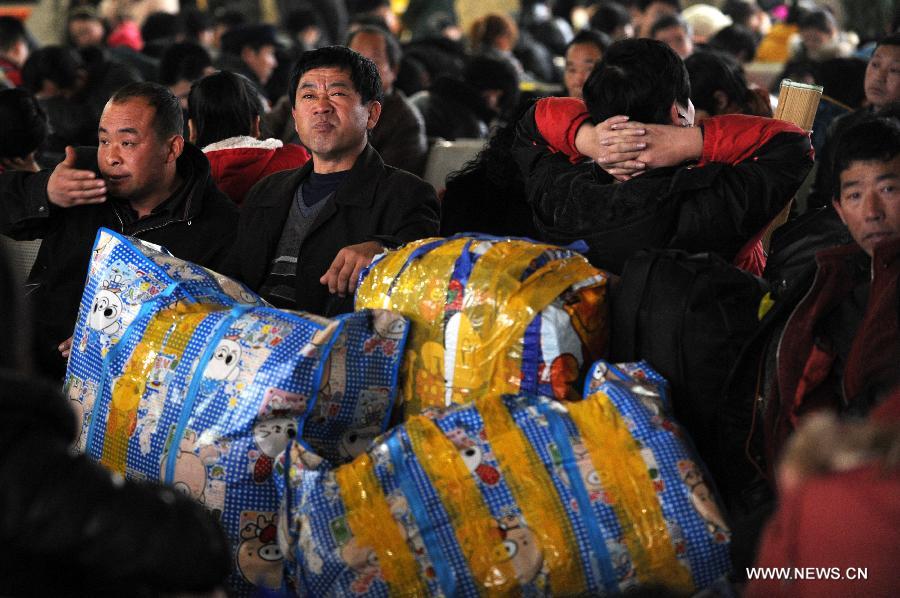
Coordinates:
[460,108]
[249,50]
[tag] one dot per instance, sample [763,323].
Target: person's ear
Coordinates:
[675,114]
[254,128]
[176,146]
[721,99]
[374,114]
[192,131]
[839,209]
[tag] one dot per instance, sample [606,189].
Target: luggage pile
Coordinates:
[184,376]
[514,465]
[522,495]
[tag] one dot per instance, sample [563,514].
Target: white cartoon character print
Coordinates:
[474,457]
[275,428]
[224,362]
[106,308]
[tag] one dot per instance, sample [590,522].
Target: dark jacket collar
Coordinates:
[357,190]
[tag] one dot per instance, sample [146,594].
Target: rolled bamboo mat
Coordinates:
[797,104]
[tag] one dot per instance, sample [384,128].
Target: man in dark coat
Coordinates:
[142,180]
[399,135]
[305,235]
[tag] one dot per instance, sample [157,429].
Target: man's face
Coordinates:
[329,115]
[130,155]
[374,47]
[17,53]
[677,39]
[262,61]
[86,32]
[882,81]
[580,60]
[814,39]
[870,201]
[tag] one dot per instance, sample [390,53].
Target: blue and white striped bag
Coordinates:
[201,391]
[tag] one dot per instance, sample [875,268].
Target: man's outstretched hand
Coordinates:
[69,186]
[343,273]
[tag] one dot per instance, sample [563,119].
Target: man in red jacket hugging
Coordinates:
[645,177]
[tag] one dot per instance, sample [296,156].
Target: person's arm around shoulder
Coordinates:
[734,138]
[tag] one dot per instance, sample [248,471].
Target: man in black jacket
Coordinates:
[142,180]
[305,235]
[399,135]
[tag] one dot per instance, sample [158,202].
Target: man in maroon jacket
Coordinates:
[840,348]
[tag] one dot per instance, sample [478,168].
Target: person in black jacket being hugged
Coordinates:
[143,180]
[306,234]
[626,169]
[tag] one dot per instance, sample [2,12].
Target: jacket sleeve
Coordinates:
[415,213]
[751,168]
[557,121]
[538,158]
[25,211]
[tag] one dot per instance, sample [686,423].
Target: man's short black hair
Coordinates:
[392,46]
[196,22]
[741,11]
[645,4]
[23,124]
[609,17]
[875,139]
[591,36]
[183,61]
[640,78]
[61,66]
[11,31]
[223,105]
[161,26]
[363,72]
[254,36]
[167,117]
[736,40]
[669,21]
[889,40]
[712,72]
[356,7]
[818,20]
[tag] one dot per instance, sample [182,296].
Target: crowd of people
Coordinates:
[285,149]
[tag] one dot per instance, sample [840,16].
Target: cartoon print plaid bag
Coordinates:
[490,316]
[203,392]
[519,496]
